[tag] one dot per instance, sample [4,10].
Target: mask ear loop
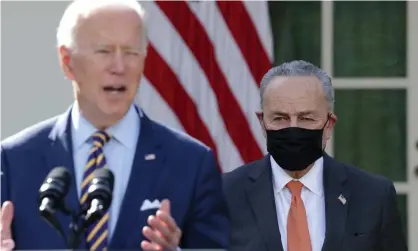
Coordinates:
[328,116]
[262,121]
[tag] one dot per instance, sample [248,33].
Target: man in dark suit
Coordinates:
[167,191]
[297,198]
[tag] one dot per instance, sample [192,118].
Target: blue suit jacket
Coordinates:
[184,171]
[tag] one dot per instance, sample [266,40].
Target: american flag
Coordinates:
[202,73]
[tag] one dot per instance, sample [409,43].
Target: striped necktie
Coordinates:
[97,232]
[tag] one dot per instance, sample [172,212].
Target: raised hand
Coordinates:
[6,212]
[162,232]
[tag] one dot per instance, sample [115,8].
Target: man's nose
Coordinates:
[293,122]
[118,63]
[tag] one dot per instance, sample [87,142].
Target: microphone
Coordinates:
[51,196]
[99,198]
[99,195]
[53,190]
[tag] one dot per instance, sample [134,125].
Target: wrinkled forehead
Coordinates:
[294,94]
[109,25]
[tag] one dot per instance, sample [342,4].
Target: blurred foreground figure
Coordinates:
[167,191]
[297,198]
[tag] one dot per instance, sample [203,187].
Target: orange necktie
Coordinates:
[297,225]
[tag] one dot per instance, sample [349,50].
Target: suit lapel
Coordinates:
[261,197]
[146,169]
[60,153]
[335,210]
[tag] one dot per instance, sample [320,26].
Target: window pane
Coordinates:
[369,39]
[296,28]
[371,130]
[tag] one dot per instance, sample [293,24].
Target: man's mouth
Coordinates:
[114,89]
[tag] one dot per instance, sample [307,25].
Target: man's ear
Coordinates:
[261,121]
[64,55]
[329,128]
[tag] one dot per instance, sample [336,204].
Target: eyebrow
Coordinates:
[100,45]
[302,113]
[123,47]
[307,113]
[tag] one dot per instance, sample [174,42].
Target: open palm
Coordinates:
[7,243]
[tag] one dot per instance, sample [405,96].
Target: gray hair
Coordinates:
[299,68]
[81,8]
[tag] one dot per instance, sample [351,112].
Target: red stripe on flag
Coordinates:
[196,38]
[168,86]
[236,17]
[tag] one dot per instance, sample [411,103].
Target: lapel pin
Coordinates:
[150,156]
[342,199]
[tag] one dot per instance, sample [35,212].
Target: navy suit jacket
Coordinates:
[368,221]
[184,171]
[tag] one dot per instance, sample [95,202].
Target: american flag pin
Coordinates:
[342,199]
[150,156]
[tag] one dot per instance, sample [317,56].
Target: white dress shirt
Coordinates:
[313,199]
[119,153]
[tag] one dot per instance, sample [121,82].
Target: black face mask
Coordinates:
[295,148]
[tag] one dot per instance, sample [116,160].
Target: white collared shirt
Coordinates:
[119,153]
[313,199]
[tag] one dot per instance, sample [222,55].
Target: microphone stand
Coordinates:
[53,221]
[80,222]
[47,214]
[76,232]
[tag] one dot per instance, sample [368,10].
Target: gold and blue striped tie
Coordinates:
[98,231]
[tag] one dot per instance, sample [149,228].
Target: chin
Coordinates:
[116,110]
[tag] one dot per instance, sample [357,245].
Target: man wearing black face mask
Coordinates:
[297,198]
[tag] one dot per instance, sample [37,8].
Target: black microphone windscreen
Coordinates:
[51,196]
[57,181]
[105,174]
[59,173]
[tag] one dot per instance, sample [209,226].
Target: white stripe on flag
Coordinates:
[180,59]
[260,15]
[232,63]
[155,106]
